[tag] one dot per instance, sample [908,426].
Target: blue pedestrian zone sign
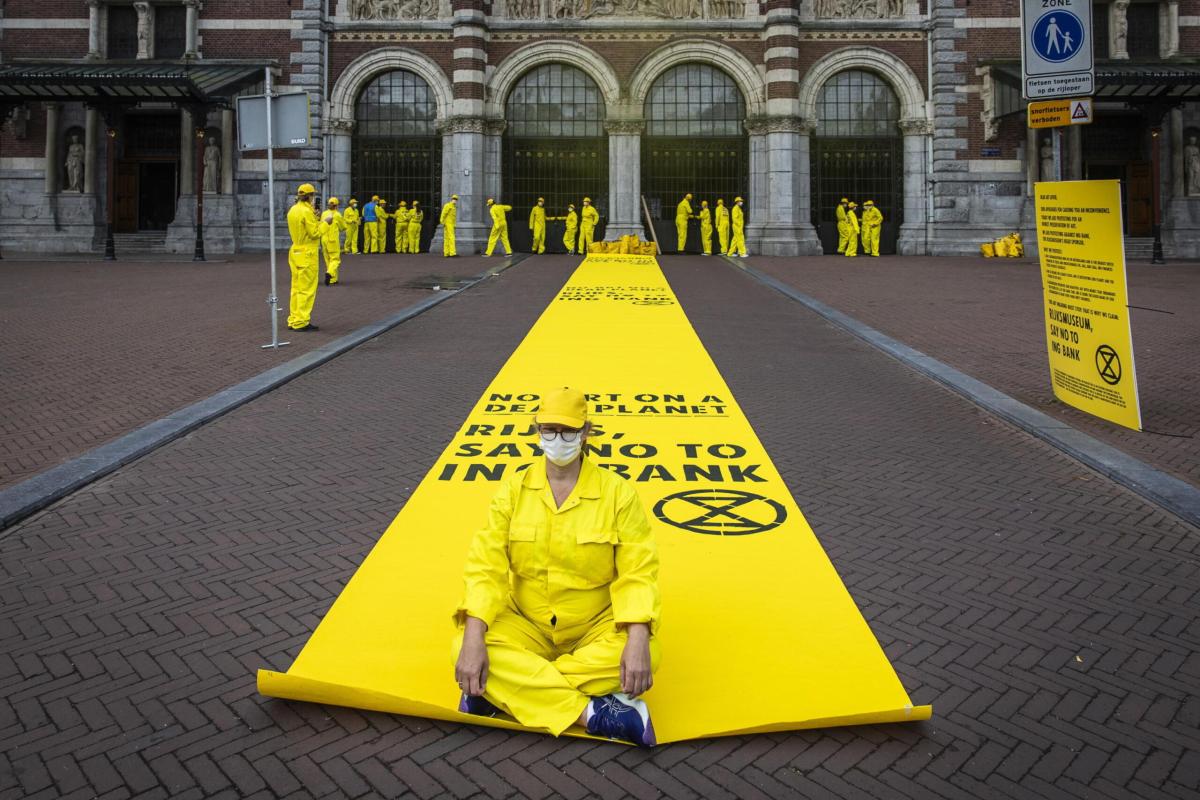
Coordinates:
[1056,56]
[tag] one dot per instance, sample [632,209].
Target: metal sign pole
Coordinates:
[272,299]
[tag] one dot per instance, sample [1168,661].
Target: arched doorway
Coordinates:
[858,153]
[397,152]
[554,147]
[695,142]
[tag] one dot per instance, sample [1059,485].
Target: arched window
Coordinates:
[555,100]
[857,103]
[694,100]
[396,103]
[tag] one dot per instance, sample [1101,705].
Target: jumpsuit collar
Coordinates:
[588,485]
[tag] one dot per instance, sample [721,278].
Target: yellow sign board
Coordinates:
[1086,295]
[1059,113]
[758,632]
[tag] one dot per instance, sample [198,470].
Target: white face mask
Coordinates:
[559,452]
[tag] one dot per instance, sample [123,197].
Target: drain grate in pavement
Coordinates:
[437,282]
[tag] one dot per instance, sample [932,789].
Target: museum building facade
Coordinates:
[120,115]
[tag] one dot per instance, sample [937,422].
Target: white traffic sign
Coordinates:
[1056,55]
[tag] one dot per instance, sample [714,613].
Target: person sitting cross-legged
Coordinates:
[558,622]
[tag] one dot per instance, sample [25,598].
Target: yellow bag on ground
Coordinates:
[988,249]
[1002,248]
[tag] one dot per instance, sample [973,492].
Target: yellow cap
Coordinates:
[565,406]
[375,197]
[353,202]
[869,203]
[541,199]
[490,201]
[382,202]
[853,204]
[844,200]
[415,203]
[403,203]
[738,200]
[333,201]
[453,197]
[306,188]
[587,199]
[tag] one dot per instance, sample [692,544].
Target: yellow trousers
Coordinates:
[569,239]
[543,676]
[351,238]
[401,237]
[448,241]
[843,236]
[305,264]
[539,238]
[851,242]
[586,234]
[414,237]
[737,245]
[723,237]
[333,259]
[499,234]
[706,238]
[681,231]
[381,236]
[870,240]
[369,237]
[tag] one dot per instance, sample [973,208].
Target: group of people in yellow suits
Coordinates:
[579,235]
[374,218]
[850,229]
[730,225]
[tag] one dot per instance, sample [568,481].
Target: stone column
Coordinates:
[193,12]
[340,132]
[1032,159]
[1118,29]
[1075,153]
[493,140]
[779,221]
[624,178]
[911,239]
[52,159]
[91,138]
[94,29]
[187,153]
[1175,124]
[463,174]
[227,152]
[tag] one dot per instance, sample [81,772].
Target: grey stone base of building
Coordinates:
[468,239]
[783,240]
[1181,227]
[64,223]
[220,226]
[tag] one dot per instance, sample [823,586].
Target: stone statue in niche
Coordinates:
[74,165]
[143,29]
[1047,154]
[1191,167]
[1120,20]
[212,166]
[860,9]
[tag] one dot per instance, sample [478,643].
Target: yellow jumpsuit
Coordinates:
[587,227]
[723,226]
[499,228]
[556,586]
[872,219]
[706,230]
[400,234]
[572,230]
[448,219]
[415,217]
[683,212]
[382,216]
[851,234]
[537,226]
[843,227]
[304,259]
[737,245]
[352,218]
[332,224]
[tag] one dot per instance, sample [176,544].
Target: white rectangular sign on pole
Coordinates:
[1056,50]
[289,115]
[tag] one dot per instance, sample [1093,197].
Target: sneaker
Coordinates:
[479,706]
[619,716]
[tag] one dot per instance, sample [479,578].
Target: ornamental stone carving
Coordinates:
[392,9]
[860,9]
[625,127]
[916,127]
[462,125]
[763,125]
[341,127]
[652,9]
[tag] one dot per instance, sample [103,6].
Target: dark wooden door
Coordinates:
[1139,201]
[125,190]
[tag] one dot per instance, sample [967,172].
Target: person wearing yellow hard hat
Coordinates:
[571,234]
[448,219]
[559,619]
[352,217]
[589,218]
[400,234]
[737,243]
[843,227]
[722,226]
[369,218]
[303,258]
[872,220]
[852,231]
[706,228]
[332,225]
[537,227]
[382,216]
[499,227]
[683,212]
[416,216]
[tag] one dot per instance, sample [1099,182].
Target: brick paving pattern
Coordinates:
[1050,616]
[984,317]
[93,350]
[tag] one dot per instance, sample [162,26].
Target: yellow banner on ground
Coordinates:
[1086,295]
[758,632]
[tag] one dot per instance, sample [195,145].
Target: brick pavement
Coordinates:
[1050,616]
[984,317]
[93,350]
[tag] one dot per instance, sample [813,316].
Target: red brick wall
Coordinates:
[44,43]
[912,53]
[990,8]
[240,9]
[34,143]
[54,9]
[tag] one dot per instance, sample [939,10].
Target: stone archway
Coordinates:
[501,82]
[704,51]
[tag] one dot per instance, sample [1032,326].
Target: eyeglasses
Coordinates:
[567,436]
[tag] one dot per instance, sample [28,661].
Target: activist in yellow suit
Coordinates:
[843,225]
[737,245]
[448,219]
[569,236]
[303,258]
[382,216]
[400,233]
[352,218]
[537,226]
[683,212]
[499,227]
[370,215]
[332,225]
[561,604]
[706,228]
[872,219]
[589,218]
[852,231]
[415,217]
[723,226]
